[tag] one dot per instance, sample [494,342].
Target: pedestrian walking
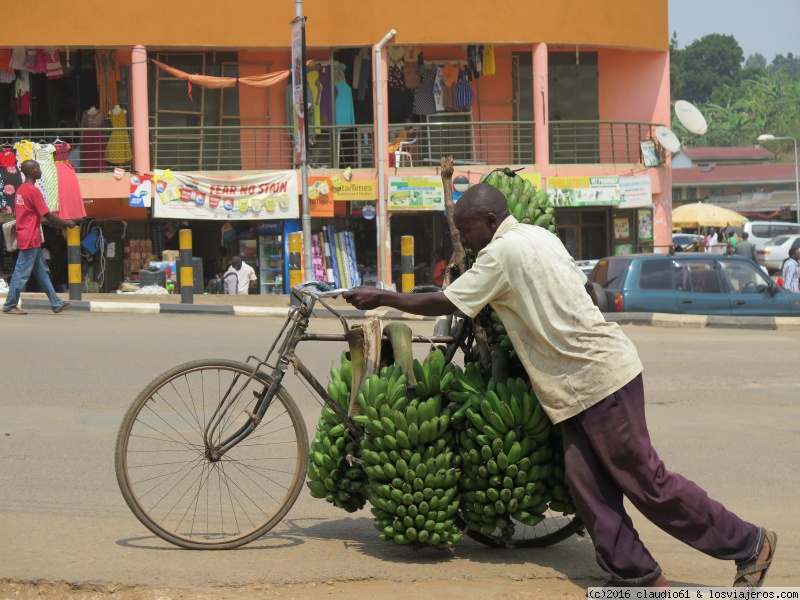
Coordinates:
[746,248]
[587,376]
[30,208]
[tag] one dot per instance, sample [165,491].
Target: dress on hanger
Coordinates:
[92,142]
[10,178]
[70,198]
[107,77]
[424,103]
[463,90]
[315,89]
[118,151]
[44,156]
[438,90]
[345,112]
[325,100]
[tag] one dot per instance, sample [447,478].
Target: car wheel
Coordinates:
[602,299]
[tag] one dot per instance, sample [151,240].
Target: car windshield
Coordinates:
[609,273]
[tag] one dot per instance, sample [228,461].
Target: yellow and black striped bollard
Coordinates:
[74,263]
[186,270]
[407,261]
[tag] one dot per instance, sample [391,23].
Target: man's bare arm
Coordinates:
[430,304]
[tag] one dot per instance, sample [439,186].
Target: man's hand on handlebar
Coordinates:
[364,297]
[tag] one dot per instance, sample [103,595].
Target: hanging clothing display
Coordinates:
[345,112]
[107,77]
[326,100]
[10,178]
[44,156]
[397,76]
[315,91]
[424,103]
[24,150]
[488,59]
[118,151]
[438,90]
[92,142]
[463,90]
[53,64]
[70,198]
[18,56]
[411,67]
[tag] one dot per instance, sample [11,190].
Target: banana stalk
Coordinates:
[365,356]
[399,335]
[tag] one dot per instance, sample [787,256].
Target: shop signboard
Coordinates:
[583,191]
[635,192]
[324,191]
[644,223]
[264,196]
[416,193]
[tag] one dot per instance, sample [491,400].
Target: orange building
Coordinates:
[566,91]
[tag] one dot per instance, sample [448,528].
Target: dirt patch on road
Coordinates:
[455,589]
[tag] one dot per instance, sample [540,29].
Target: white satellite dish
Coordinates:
[690,117]
[668,139]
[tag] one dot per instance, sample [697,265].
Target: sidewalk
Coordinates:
[278,305]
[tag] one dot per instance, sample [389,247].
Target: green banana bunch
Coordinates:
[510,467]
[330,474]
[408,456]
[433,376]
[525,202]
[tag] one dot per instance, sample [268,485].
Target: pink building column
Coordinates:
[541,129]
[139,110]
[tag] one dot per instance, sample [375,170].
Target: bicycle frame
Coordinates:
[291,334]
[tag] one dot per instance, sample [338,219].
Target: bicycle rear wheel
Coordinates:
[553,529]
[182,495]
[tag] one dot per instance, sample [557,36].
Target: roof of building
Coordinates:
[729,153]
[733,174]
[763,202]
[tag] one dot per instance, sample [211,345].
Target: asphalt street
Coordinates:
[723,410]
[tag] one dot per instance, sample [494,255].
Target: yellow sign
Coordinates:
[362,189]
[534,178]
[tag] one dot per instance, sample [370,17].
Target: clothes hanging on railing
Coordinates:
[118,151]
[345,112]
[70,198]
[207,81]
[107,77]
[92,142]
[44,156]
[10,178]
[424,103]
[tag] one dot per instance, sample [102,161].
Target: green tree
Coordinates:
[675,67]
[709,63]
[756,61]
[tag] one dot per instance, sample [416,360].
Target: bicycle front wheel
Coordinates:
[196,502]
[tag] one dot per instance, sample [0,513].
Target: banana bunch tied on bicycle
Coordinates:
[446,446]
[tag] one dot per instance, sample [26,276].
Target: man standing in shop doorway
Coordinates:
[245,275]
[30,208]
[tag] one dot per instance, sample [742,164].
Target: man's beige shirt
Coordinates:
[573,356]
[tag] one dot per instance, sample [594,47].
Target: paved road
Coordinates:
[724,410]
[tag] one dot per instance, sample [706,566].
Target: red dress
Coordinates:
[70,198]
[93,159]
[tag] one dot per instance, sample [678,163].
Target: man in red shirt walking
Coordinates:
[30,207]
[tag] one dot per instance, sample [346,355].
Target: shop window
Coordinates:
[584,232]
[690,193]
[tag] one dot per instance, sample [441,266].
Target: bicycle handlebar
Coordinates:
[321,289]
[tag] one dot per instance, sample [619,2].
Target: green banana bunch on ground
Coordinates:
[509,459]
[525,202]
[408,456]
[330,474]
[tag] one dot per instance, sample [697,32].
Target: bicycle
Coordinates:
[213,453]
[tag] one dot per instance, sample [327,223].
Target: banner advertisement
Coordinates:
[299,89]
[416,193]
[141,195]
[635,192]
[269,195]
[644,223]
[583,191]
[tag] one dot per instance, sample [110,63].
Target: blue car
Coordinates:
[690,283]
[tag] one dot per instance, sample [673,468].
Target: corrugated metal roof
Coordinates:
[729,153]
[733,174]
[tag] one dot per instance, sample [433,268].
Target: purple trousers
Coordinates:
[608,456]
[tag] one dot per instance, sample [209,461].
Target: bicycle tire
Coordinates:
[164,427]
[559,529]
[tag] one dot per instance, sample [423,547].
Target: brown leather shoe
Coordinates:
[64,306]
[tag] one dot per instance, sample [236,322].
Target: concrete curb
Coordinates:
[641,319]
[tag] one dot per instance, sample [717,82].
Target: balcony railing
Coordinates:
[234,148]
[90,148]
[597,142]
